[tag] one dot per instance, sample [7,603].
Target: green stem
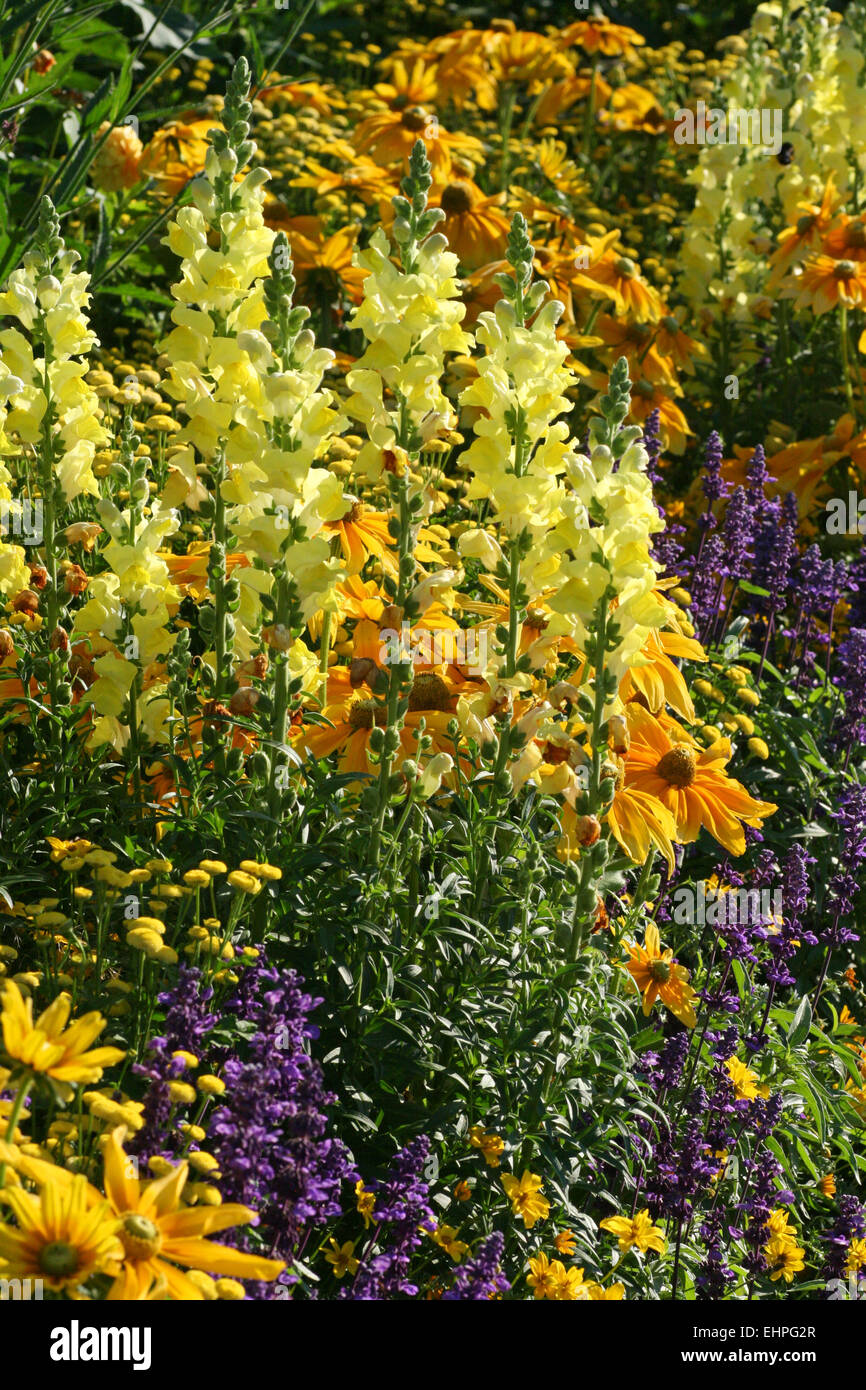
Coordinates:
[531,113]
[219,584]
[395,684]
[325,651]
[639,897]
[505,129]
[14,1117]
[280,725]
[134,745]
[843,344]
[589,125]
[587,867]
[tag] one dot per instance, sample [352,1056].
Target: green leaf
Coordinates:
[99,104]
[803,1087]
[129,291]
[801,1023]
[802,1151]
[102,240]
[741,979]
[776,1148]
[21,15]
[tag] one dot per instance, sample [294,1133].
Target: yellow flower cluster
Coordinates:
[411,318]
[739,186]
[126,618]
[48,397]
[521,382]
[138,1232]
[265,419]
[782,1253]
[549,1279]
[617,493]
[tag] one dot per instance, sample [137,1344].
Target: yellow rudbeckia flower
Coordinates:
[158,1234]
[60,1237]
[47,1048]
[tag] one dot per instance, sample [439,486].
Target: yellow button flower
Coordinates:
[244,882]
[211,1085]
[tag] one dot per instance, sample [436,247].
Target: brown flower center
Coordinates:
[660,971]
[58,1259]
[457,197]
[856,235]
[677,767]
[844,270]
[415,118]
[429,691]
[364,713]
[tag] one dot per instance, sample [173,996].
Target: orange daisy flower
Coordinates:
[561,96]
[602,37]
[638,343]
[802,466]
[658,977]
[826,283]
[690,781]
[463,76]
[846,239]
[806,233]
[176,152]
[660,682]
[637,821]
[523,56]
[389,137]
[300,94]
[415,86]
[476,228]
[158,1233]
[189,571]
[610,275]
[633,108]
[363,532]
[362,179]
[648,396]
[556,267]
[674,343]
[352,714]
[324,266]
